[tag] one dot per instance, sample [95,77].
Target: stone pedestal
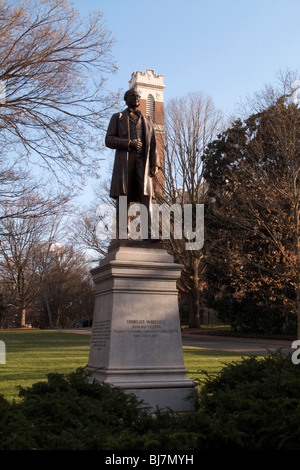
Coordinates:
[136,338]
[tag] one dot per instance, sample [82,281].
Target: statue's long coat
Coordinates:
[117,137]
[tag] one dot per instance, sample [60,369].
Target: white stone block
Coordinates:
[136,338]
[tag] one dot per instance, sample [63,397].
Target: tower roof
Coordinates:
[148,78]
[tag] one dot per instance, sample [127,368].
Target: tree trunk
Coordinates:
[57,323]
[195,294]
[194,316]
[23,318]
[49,311]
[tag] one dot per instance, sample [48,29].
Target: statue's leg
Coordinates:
[122,232]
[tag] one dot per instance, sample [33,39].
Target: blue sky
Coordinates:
[226,48]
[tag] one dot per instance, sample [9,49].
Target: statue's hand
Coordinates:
[136,144]
[153,171]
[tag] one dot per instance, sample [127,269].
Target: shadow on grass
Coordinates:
[37,339]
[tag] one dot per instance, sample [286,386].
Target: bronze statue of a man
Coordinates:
[132,135]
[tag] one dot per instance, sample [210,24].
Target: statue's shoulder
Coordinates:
[120,115]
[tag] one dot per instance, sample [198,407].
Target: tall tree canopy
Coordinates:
[253,175]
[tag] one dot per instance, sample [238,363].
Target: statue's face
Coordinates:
[133,99]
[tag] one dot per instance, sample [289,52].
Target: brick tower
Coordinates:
[151,88]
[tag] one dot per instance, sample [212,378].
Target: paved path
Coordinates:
[240,345]
[221,343]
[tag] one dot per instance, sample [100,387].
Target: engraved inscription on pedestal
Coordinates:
[146,328]
[101,334]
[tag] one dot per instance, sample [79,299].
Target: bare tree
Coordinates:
[68,292]
[54,66]
[14,184]
[19,193]
[25,250]
[88,227]
[191,122]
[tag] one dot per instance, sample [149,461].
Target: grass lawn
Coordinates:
[200,361]
[32,354]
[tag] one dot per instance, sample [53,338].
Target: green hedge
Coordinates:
[252,404]
[250,316]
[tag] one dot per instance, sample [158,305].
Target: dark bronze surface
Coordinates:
[132,136]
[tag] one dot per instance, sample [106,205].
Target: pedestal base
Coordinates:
[176,399]
[136,338]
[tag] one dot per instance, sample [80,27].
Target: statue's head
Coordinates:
[132,98]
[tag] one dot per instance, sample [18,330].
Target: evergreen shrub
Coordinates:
[253,404]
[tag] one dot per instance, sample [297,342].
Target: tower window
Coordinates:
[150,107]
